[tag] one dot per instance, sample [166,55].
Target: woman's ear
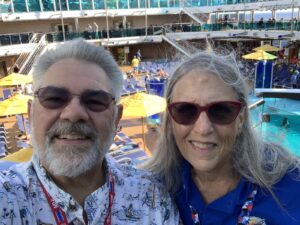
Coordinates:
[240,121]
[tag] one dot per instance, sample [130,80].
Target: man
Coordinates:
[70,179]
[294,78]
[135,64]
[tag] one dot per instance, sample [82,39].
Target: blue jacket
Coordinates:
[226,209]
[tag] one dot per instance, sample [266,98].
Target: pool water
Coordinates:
[274,131]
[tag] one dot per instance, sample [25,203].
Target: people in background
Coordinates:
[213,163]
[266,118]
[71,180]
[294,78]
[260,23]
[285,122]
[139,55]
[135,64]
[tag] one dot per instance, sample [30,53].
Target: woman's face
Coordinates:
[205,145]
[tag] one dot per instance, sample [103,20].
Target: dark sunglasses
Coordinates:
[187,113]
[56,97]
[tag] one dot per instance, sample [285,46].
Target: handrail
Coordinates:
[255,104]
[25,69]
[6,8]
[22,58]
[184,27]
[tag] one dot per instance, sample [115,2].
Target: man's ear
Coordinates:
[119,115]
[29,105]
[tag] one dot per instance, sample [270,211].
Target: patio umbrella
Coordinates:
[15,79]
[17,104]
[142,105]
[267,48]
[259,55]
[23,155]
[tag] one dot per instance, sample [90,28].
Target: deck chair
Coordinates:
[3,150]
[22,144]
[128,89]
[6,93]
[5,165]
[20,123]
[137,87]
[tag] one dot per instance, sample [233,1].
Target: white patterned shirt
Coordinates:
[139,198]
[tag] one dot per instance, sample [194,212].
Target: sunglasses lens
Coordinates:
[184,113]
[223,112]
[53,98]
[96,101]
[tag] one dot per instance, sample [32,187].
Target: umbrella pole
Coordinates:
[24,124]
[143,134]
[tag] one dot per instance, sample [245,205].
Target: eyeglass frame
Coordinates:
[111,97]
[205,108]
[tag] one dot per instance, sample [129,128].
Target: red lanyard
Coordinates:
[58,213]
[61,217]
[107,220]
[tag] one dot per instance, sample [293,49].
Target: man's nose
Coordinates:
[74,111]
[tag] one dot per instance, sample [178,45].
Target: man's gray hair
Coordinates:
[81,50]
[258,162]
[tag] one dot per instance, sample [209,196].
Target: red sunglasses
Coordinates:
[187,113]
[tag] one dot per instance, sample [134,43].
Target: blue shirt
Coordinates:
[226,209]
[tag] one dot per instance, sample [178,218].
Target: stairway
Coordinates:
[25,60]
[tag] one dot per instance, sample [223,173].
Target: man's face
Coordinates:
[72,139]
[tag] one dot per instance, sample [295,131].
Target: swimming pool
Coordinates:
[273,129]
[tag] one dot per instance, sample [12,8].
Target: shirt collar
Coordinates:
[62,198]
[227,203]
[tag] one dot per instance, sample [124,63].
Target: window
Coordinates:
[74,5]
[34,6]
[99,4]
[86,4]
[153,3]
[123,4]
[48,5]
[20,6]
[63,5]
[111,4]
[133,4]
[163,3]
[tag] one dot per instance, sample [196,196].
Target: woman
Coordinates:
[218,171]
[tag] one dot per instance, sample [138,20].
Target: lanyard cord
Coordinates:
[244,216]
[61,217]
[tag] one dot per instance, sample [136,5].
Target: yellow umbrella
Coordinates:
[142,105]
[15,79]
[23,155]
[17,104]
[259,55]
[267,48]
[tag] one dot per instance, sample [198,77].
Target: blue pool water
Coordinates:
[273,131]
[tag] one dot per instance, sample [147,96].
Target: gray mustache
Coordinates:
[66,127]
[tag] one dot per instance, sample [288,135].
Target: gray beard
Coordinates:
[71,161]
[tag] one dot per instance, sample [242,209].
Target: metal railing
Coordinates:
[35,38]
[46,6]
[27,66]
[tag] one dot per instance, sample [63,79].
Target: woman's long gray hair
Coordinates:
[258,162]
